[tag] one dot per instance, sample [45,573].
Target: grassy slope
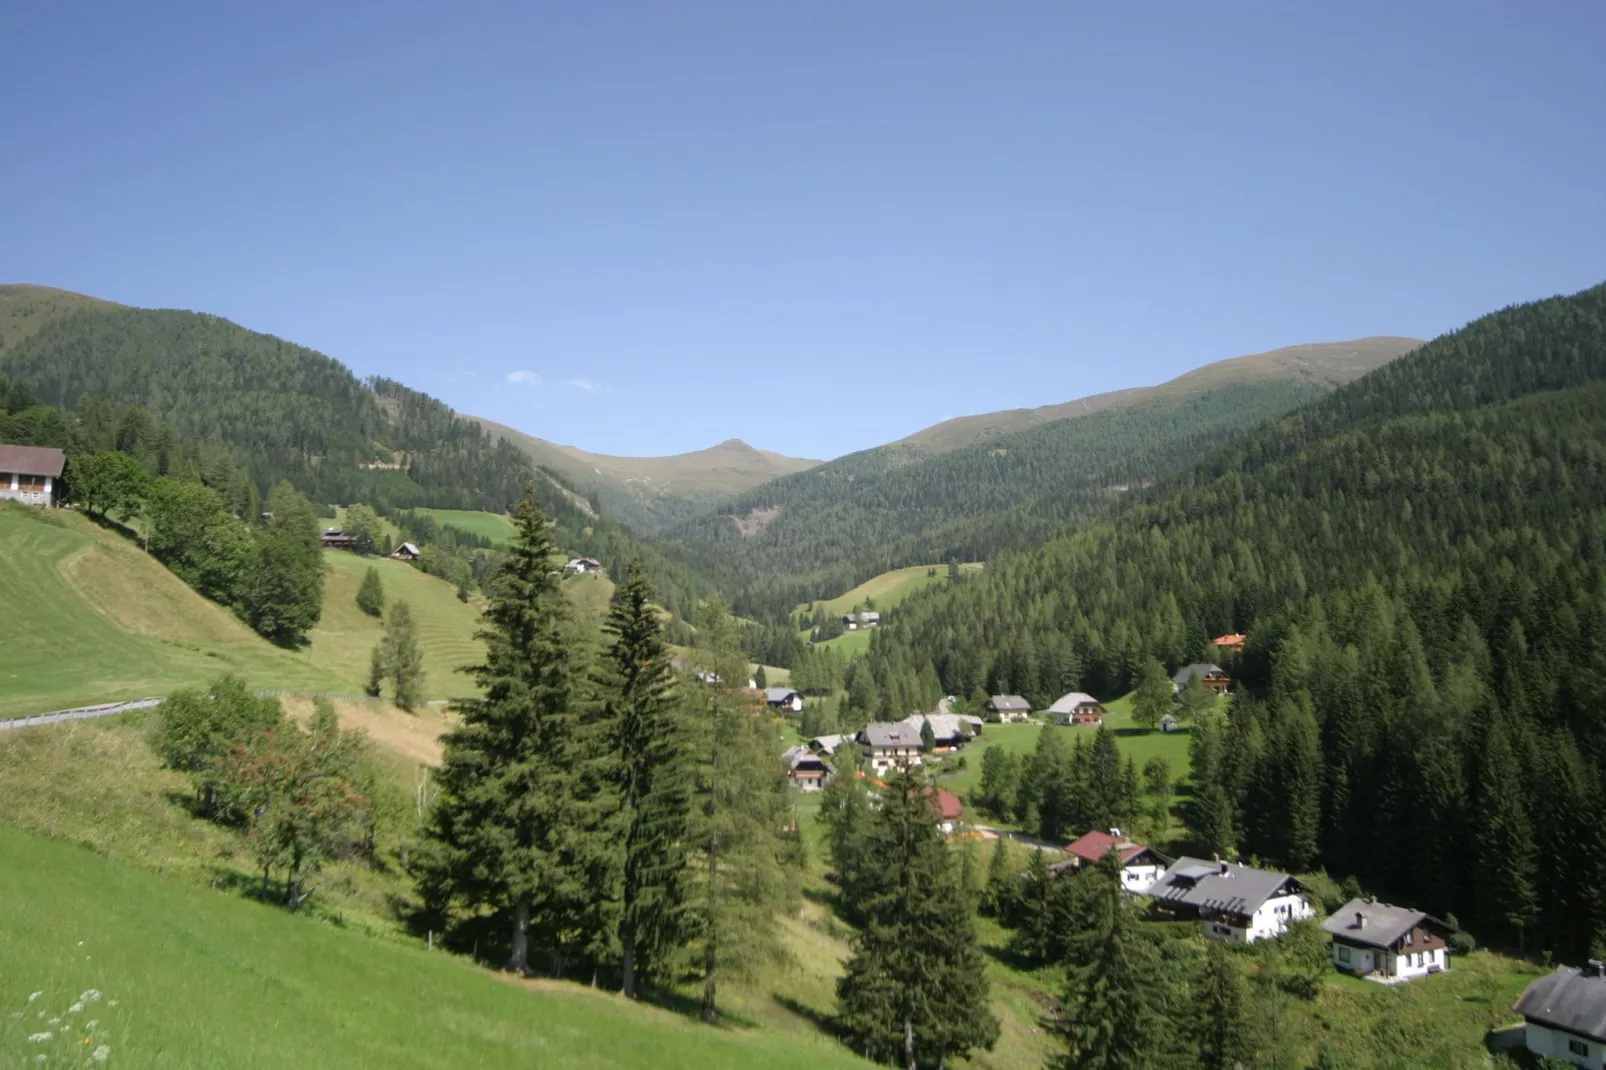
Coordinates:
[1334,363]
[888,589]
[494,526]
[86,616]
[203,979]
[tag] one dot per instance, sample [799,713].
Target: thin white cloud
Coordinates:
[587,385]
[523,378]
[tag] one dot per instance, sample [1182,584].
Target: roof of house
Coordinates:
[946,804]
[1093,846]
[408,548]
[1198,668]
[1009,704]
[32,460]
[1230,887]
[1569,999]
[777,695]
[826,744]
[1230,640]
[801,757]
[1374,924]
[890,734]
[944,725]
[1068,702]
[1168,719]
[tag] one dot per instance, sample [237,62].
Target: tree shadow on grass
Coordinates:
[1004,955]
[825,1023]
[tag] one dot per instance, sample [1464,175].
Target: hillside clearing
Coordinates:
[888,589]
[494,526]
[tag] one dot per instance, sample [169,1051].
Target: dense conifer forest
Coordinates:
[841,523]
[1420,563]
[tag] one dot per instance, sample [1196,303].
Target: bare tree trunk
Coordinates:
[627,963]
[909,1044]
[518,959]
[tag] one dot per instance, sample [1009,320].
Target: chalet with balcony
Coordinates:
[1008,709]
[1232,901]
[1215,677]
[1077,708]
[31,474]
[1372,939]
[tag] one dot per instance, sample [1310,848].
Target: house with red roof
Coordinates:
[949,810]
[1141,865]
[1234,642]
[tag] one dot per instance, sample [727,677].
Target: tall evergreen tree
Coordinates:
[1507,853]
[1220,1013]
[742,877]
[371,595]
[500,828]
[915,991]
[1153,697]
[650,737]
[1110,1021]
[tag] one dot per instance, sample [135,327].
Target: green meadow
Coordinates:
[494,526]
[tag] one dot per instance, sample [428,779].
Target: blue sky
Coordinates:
[645,228]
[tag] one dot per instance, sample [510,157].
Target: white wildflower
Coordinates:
[80,943]
[75,1008]
[35,995]
[39,1058]
[100,1054]
[91,995]
[55,1021]
[111,1003]
[39,1038]
[92,1023]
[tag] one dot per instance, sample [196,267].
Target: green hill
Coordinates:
[1419,560]
[191,977]
[86,616]
[25,309]
[650,492]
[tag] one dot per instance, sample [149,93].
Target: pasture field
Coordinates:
[888,589]
[186,976]
[345,636]
[86,616]
[494,526]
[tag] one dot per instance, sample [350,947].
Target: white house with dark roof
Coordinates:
[1215,677]
[948,730]
[1232,901]
[784,699]
[1077,708]
[865,618]
[1009,708]
[1376,940]
[889,745]
[806,769]
[1565,1015]
[28,474]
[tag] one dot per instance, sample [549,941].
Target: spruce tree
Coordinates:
[915,990]
[371,595]
[1220,1013]
[1109,1021]
[1002,891]
[650,738]
[499,831]
[1507,853]
[403,660]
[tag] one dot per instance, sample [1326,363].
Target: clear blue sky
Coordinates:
[815,226]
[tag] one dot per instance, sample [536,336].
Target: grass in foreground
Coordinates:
[203,979]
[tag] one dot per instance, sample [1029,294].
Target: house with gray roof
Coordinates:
[948,730]
[1387,943]
[1565,1015]
[784,699]
[865,618]
[889,745]
[1009,708]
[1215,677]
[1077,708]
[806,769]
[826,745]
[1232,901]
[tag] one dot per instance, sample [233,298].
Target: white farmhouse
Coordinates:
[1372,939]
[1566,1015]
[1232,901]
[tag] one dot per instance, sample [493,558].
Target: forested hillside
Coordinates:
[205,400]
[1420,563]
[820,532]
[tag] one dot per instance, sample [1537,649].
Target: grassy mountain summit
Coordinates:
[649,491]
[1322,364]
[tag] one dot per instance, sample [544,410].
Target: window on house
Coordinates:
[1578,1047]
[1343,953]
[1407,939]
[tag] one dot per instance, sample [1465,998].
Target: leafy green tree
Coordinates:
[928,737]
[1194,698]
[197,728]
[500,830]
[107,482]
[1157,777]
[916,987]
[363,525]
[398,658]
[1153,697]
[649,734]
[371,594]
